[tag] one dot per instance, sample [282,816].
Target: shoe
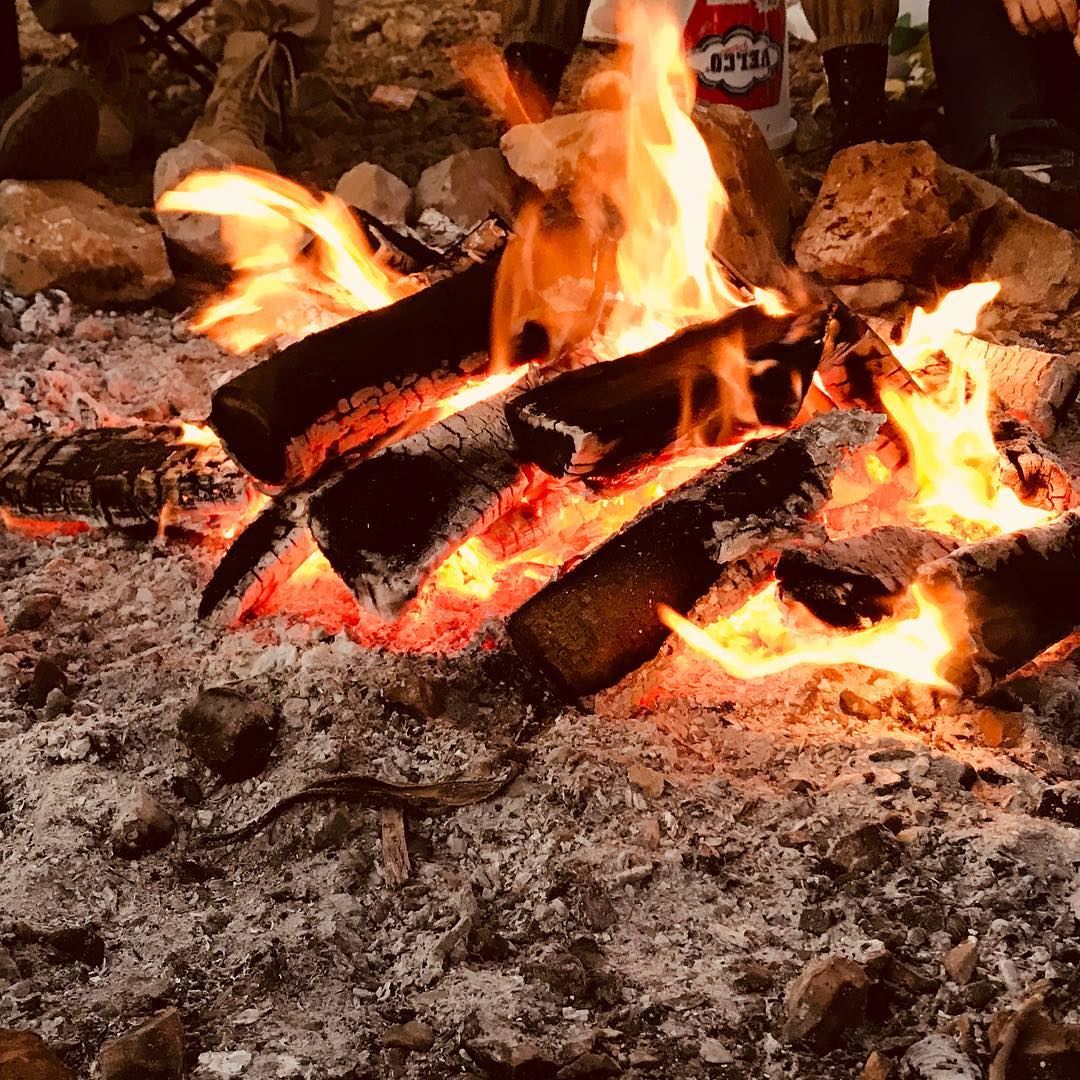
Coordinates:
[536,72]
[114,59]
[48,129]
[856,75]
[1039,166]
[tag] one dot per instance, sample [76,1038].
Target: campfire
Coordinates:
[592,426]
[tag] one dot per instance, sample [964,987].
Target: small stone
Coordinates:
[24,1056]
[815,920]
[408,33]
[92,329]
[865,850]
[961,960]
[60,234]
[198,233]
[938,1057]
[141,825]
[9,970]
[48,676]
[1061,802]
[231,734]
[877,1067]
[1000,728]
[34,612]
[81,944]
[57,704]
[415,1037]
[648,781]
[152,1051]
[589,1066]
[825,1002]
[979,994]
[420,695]
[854,705]
[468,186]
[649,830]
[714,1052]
[374,189]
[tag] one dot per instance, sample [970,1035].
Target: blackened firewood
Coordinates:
[848,583]
[591,627]
[713,379]
[1007,599]
[387,522]
[123,478]
[343,387]
[1030,467]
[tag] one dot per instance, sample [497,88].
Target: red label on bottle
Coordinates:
[736,50]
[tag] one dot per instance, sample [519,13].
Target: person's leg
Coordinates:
[48,128]
[1061,62]
[853,36]
[540,37]
[64,16]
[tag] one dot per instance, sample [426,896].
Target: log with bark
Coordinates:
[390,520]
[123,478]
[1007,599]
[592,626]
[344,387]
[848,583]
[1029,467]
[711,380]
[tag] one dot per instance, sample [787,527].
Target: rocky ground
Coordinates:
[815,876]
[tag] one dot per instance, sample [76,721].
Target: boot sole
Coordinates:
[50,134]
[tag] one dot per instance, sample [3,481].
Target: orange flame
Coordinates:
[761,639]
[300,261]
[198,435]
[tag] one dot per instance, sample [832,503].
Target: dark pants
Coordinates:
[995,81]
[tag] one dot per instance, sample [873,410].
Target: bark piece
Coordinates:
[598,622]
[1030,467]
[1007,599]
[397,868]
[124,478]
[343,387]
[938,1057]
[850,582]
[596,418]
[385,524]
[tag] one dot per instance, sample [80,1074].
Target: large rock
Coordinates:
[151,1051]
[900,212]
[825,1002]
[553,154]
[24,1056]
[372,188]
[468,186]
[62,234]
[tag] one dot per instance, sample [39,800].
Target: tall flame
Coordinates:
[300,261]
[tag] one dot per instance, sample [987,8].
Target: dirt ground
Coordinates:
[579,925]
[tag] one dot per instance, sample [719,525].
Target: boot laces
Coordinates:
[260,88]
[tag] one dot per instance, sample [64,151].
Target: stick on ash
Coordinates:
[588,629]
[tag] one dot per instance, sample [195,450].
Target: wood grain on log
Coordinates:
[124,478]
[591,627]
[712,379]
[397,868]
[387,522]
[343,387]
[1007,599]
[1029,467]
[851,582]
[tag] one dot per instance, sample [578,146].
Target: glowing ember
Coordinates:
[760,639]
[198,435]
[947,430]
[300,261]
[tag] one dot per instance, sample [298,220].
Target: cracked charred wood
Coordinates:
[1030,467]
[848,583]
[713,379]
[341,388]
[122,478]
[1007,599]
[390,520]
[598,622]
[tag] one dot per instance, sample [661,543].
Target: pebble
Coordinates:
[141,826]
[152,1051]
[414,1036]
[231,734]
[57,704]
[9,970]
[714,1052]
[48,676]
[865,850]
[855,705]
[961,960]
[648,781]
[34,612]
[825,1002]
[372,188]
[589,1066]
[877,1067]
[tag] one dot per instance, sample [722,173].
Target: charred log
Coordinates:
[596,418]
[1007,599]
[1030,467]
[122,478]
[848,583]
[386,523]
[343,387]
[591,627]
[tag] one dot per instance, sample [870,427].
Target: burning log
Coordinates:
[847,583]
[343,387]
[1007,599]
[386,523]
[591,627]
[595,418]
[1030,467]
[122,478]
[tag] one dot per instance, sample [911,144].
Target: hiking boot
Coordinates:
[114,59]
[856,75]
[48,129]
